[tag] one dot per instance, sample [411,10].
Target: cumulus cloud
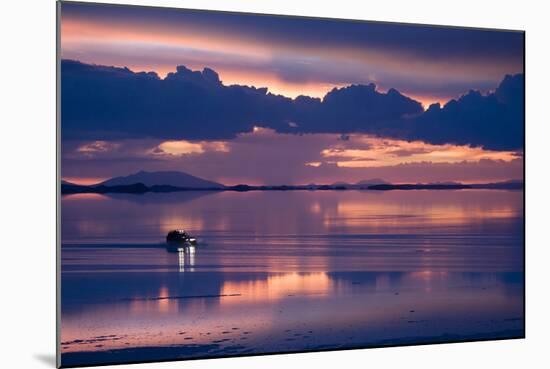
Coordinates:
[107,103]
[494,121]
[92,148]
[435,63]
[183,147]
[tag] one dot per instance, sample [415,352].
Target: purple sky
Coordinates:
[291,57]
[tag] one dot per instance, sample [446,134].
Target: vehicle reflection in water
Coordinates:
[186,259]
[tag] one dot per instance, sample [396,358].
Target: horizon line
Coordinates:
[334,184]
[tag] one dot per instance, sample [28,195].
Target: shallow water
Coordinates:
[287,271]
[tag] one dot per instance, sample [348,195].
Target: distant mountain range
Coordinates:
[371,182]
[167,178]
[361,185]
[506,185]
[172,181]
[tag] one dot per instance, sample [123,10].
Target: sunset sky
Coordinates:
[286,141]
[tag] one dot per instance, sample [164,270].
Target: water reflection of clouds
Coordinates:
[378,303]
[380,213]
[161,305]
[84,196]
[283,213]
[358,260]
[276,287]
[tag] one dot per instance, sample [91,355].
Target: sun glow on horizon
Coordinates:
[84,181]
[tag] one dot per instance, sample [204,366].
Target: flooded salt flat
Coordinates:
[287,271]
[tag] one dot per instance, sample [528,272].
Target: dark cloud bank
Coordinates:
[108,103]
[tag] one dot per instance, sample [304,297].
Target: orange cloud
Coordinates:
[183,147]
[378,152]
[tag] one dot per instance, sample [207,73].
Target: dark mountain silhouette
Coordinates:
[341,184]
[514,184]
[371,182]
[419,186]
[140,188]
[164,180]
[136,188]
[506,185]
[359,185]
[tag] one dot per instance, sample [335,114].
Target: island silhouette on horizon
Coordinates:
[176,181]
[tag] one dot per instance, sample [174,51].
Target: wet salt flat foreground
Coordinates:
[287,271]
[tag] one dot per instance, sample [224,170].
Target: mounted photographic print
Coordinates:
[237,184]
